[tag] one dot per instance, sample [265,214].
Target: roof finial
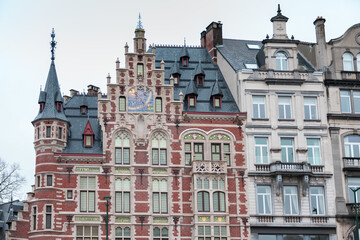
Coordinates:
[53,45]
[184,41]
[279,10]
[139,25]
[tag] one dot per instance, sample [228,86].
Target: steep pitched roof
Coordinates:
[50,96]
[216,89]
[199,69]
[196,54]
[175,68]
[184,52]
[191,88]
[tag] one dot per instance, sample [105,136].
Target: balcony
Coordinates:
[290,168]
[294,219]
[351,208]
[351,163]
[350,75]
[272,77]
[208,166]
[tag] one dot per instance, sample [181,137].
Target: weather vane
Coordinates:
[53,45]
[139,25]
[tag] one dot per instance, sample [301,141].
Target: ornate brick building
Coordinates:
[165,143]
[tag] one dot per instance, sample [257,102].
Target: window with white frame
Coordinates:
[159,149]
[261,150]
[348,62]
[284,107]
[122,195]
[160,233]
[87,194]
[352,146]
[353,183]
[287,149]
[203,201]
[313,151]
[34,218]
[310,108]
[122,149]
[87,232]
[291,202]
[204,233]
[48,220]
[358,62]
[350,101]
[158,104]
[205,191]
[264,205]
[122,103]
[194,151]
[281,61]
[258,106]
[122,233]
[160,196]
[188,154]
[317,201]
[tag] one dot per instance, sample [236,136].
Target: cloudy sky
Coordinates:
[91,34]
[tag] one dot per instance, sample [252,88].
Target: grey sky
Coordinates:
[91,34]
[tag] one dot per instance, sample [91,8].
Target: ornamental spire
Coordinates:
[139,25]
[53,45]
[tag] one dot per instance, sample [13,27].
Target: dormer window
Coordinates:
[42,104]
[176,77]
[200,79]
[83,110]
[281,61]
[140,70]
[348,62]
[217,101]
[192,100]
[185,61]
[88,141]
[88,135]
[58,106]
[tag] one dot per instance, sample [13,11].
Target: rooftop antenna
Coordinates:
[184,42]
[279,10]
[53,45]
[139,25]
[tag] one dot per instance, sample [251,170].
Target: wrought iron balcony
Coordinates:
[351,163]
[208,166]
[291,168]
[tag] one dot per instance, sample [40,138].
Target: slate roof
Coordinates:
[78,123]
[196,54]
[50,96]
[237,54]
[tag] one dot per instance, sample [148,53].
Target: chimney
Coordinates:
[321,54]
[92,90]
[73,92]
[211,38]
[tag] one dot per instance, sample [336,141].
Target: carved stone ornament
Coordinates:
[278,184]
[357,38]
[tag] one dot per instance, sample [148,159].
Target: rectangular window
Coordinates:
[226,151]
[284,107]
[122,233]
[48,217]
[261,150]
[198,151]
[122,104]
[158,105]
[215,152]
[203,201]
[87,232]
[317,200]
[291,203]
[217,102]
[38,181]
[49,180]
[122,156]
[345,101]
[219,201]
[158,156]
[88,140]
[310,108]
[220,233]
[204,233]
[140,70]
[160,196]
[187,153]
[69,194]
[353,183]
[258,106]
[60,133]
[192,101]
[87,194]
[287,150]
[313,147]
[264,204]
[48,131]
[38,133]
[34,218]
[122,195]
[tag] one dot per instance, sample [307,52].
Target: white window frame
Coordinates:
[265,199]
[281,61]
[354,185]
[352,100]
[319,200]
[291,200]
[348,62]
[122,236]
[350,146]
[313,149]
[286,149]
[92,234]
[162,197]
[86,190]
[263,149]
[122,189]
[311,108]
[284,103]
[259,106]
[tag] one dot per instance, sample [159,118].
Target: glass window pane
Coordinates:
[155,156]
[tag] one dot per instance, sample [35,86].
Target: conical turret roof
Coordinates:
[191,88]
[216,89]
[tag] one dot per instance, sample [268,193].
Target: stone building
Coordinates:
[288,147]
[166,143]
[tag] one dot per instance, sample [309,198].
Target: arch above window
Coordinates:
[348,63]
[281,61]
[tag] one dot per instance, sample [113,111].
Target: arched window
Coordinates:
[281,61]
[203,201]
[160,234]
[159,149]
[219,201]
[122,233]
[160,201]
[122,195]
[352,146]
[348,62]
[122,149]
[358,62]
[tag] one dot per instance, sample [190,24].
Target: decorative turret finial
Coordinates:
[53,45]
[184,41]
[139,25]
[279,10]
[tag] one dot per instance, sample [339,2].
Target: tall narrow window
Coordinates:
[87,194]
[192,100]
[258,106]
[185,61]
[122,233]
[317,200]
[220,232]
[159,149]
[345,101]
[203,201]
[217,101]
[188,153]
[122,149]
[198,151]
[140,70]
[353,183]
[358,62]
[200,80]
[48,217]
[215,151]
[219,201]
[38,181]
[160,233]
[284,107]
[204,233]
[348,62]
[88,140]
[264,204]
[122,195]
[34,220]
[87,232]
[226,150]
[83,110]
[58,106]
[158,104]
[313,147]
[291,203]
[60,133]
[261,150]
[49,180]
[287,150]
[48,131]
[38,133]
[281,61]
[176,78]
[310,107]
[122,104]
[160,202]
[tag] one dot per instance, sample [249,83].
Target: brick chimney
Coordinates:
[92,90]
[211,38]
[321,53]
